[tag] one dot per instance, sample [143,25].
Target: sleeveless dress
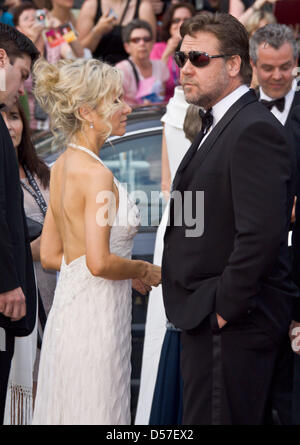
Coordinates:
[85,370]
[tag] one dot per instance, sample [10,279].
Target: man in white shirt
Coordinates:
[274,58]
[227,286]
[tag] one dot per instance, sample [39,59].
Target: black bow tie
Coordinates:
[279,103]
[207,120]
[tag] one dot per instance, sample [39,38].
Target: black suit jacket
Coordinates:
[240,265]
[16,267]
[295,133]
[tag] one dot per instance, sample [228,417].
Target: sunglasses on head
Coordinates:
[138,39]
[197,58]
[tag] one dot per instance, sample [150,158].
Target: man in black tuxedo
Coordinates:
[228,287]
[274,58]
[17,284]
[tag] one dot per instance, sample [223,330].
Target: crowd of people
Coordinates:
[235,299]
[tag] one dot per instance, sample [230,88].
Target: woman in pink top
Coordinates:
[144,80]
[164,51]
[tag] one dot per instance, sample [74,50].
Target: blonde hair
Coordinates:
[62,88]
[192,122]
[253,23]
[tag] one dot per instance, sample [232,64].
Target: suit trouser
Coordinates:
[296,391]
[282,385]
[5,362]
[227,373]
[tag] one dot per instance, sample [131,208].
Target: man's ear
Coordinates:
[3,58]
[234,65]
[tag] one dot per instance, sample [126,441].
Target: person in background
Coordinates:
[243,9]
[25,21]
[100,24]
[144,79]
[259,19]
[61,13]
[34,177]
[6,17]
[274,58]
[295,325]
[17,285]
[170,35]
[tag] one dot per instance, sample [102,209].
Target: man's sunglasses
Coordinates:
[197,58]
[138,39]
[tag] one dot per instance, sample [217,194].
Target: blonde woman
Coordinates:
[259,19]
[84,375]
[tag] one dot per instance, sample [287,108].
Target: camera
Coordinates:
[40,17]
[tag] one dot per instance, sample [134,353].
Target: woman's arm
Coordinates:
[90,34]
[100,209]
[51,251]
[146,13]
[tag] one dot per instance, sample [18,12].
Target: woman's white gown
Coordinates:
[85,370]
[177,146]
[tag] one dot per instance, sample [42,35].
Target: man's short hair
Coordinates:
[16,44]
[231,34]
[135,24]
[275,35]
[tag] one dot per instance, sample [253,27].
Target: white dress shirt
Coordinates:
[289,97]
[220,108]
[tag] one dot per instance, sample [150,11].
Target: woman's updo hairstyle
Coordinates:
[62,88]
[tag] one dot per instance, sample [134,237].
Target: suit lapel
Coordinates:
[207,145]
[296,101]
[186,159]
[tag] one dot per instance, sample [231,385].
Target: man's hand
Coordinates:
[221,321]
[141,287]
[13,304]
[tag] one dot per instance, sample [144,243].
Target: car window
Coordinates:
[136,162]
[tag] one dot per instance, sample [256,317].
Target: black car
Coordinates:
[135,159]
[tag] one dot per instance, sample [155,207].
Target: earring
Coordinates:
[91,125]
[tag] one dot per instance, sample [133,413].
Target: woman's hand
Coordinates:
[34,31]
[172,44]
[105,24]
[152,275]
[142,288]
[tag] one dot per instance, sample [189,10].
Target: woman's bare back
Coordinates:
[69,177]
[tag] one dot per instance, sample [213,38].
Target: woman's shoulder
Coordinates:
[88,8]
[83,171]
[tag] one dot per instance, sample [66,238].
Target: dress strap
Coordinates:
[88,151]
[91,153]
